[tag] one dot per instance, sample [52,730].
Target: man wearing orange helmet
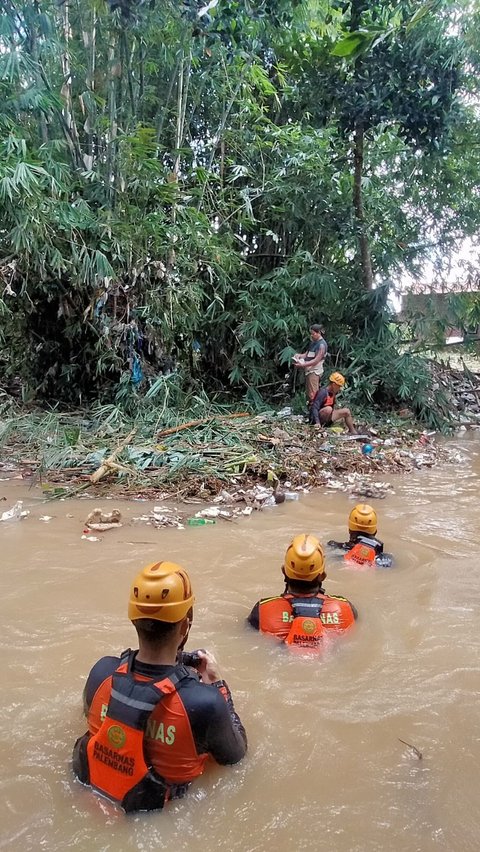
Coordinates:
[323,411]
[152,721]
[304,612]
[363,547]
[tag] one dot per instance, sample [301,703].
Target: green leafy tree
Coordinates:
[193,183]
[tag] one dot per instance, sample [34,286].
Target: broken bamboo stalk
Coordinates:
[105,467]
[192,423]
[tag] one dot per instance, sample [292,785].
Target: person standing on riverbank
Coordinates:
[152,722]
[312,361]
[322,411]
[304,612]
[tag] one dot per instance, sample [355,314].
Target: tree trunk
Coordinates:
[66,91]
[162,112]
[182,95]
[89,42]
[113,69]
[362,236]
[35,56]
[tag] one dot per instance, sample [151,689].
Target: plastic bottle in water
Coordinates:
[290,495]
[199,522]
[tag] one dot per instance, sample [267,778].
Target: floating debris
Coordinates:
[415,750]
[157,518]
[214,512]
[16,513]
[102,521]
[373,490]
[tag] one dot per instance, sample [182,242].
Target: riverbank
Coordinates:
[236,459]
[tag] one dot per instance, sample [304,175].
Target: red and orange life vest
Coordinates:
[277,616]
[140,748]
[329,399]
[306,628]
[363,552]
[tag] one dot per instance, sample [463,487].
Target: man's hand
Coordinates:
[208,668]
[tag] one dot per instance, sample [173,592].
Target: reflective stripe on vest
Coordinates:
[113,760]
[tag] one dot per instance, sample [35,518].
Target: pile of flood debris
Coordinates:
[461,388]
[244,461]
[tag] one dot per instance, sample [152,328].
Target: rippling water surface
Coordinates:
[325,768]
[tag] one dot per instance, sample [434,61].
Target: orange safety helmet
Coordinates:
[363,518]
[304,559]
[337,379]
[161,591]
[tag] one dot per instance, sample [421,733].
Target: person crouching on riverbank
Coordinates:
[323,411]
[312,361]
[152,722]
[304,612]
[362,547]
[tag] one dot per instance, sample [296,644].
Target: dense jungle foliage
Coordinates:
[186,186]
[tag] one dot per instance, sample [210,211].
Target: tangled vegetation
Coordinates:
[104,451]
[186,186]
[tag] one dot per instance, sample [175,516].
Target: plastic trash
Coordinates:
[290,495]
[367,450]
[211,512]
[269,501]
[102,521]
[199,522]
[16,513]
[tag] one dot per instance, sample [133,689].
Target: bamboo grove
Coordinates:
[185,186]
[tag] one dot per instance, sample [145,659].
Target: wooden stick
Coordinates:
[105,466]
[192,423]
[414,748]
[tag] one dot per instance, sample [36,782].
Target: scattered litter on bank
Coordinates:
[248,462]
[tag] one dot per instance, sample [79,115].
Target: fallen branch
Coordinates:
[414,748]
[106,466]
[192,423]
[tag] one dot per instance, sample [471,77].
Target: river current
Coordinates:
[325,769]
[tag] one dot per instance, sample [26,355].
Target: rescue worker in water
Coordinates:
[362,547]
[153,722]
[304,612]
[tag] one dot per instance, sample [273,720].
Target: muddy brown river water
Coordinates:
[325,768]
